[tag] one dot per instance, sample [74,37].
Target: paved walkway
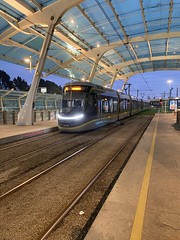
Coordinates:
[10,133]
[145,202]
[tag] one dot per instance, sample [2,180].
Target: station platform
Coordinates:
[11,133]
[145,201]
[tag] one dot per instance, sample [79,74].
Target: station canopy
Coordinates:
[97,40]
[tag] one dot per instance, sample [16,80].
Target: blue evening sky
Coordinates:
[153,84]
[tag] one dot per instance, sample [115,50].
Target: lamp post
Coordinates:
[170,89]
[29,60]
[169,82]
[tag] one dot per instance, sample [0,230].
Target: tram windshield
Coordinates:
[73,100]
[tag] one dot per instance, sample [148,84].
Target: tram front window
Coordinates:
[73,102]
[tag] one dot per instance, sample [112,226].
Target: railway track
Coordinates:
[30,163]
[25,141]
[79,195]
[75,196]
[50,147]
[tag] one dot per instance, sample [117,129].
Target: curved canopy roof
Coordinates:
[96,40]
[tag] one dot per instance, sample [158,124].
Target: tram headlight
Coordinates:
[75,117]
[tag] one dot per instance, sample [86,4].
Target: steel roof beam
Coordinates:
[21,6]
[102,49]
[36,3]
[93,70]
[11,20]
[149,70]
[113,79]
[169,24]
[122,28]
[92,23]
[18,45]
[41,17]
[140,60]
[117,18]
[109,47]
[105,48]
[145,27]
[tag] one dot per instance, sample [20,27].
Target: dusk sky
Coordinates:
[153,84]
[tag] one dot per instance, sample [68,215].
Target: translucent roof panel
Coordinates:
[92,39]
[158,46]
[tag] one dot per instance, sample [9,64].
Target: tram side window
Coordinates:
[128,104]
[111,105]
[134,105]
[123,105]
[92,103]
[105,106]
[115,105]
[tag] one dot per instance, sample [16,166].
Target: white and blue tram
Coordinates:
[87,106]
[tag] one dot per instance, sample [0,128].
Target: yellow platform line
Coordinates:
[136,233]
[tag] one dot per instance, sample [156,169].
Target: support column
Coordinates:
[113,79]
[25,116]
[1,103]
[94,68]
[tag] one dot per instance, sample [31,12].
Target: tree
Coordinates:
[51,86]
[5,82]
[20,84]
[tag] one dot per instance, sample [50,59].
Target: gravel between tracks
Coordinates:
[24,214]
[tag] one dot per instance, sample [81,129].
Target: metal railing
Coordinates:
[10,117]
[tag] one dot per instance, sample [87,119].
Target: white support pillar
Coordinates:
[58,9]
[2,107]
[113,79]
[25,116]
[94,68]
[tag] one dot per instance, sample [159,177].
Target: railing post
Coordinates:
[41,116]
[13,117]
[178,116]
[4,117]
[49,115]
[34,116]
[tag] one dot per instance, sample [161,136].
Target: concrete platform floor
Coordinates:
[145,201]
[10,133]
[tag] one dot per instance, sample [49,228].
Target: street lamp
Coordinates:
[169,82]
[170,89]
[29,60]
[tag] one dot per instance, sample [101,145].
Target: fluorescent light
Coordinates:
[75,117]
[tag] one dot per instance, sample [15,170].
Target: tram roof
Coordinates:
[123,37]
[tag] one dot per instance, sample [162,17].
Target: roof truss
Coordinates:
[118,50]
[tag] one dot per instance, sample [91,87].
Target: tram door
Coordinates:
[99,107]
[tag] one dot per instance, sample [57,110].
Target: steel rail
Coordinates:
[28,140]
[19,186]
[46,147]
[90,183]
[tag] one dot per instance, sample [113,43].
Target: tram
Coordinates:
[87,106]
